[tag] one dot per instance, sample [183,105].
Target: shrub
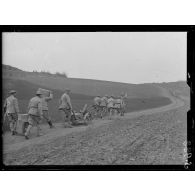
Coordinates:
[63,74]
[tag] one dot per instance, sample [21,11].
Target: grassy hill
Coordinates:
[142,96]
[26,90]
[84,86]
[179,87]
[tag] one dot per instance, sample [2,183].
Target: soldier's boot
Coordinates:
[12,128]
[15,127]
[50,124]
[24,127]
[26,134]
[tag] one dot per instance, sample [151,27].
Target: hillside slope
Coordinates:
[26,90]
[84,86]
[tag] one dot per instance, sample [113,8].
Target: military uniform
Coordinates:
[103,101]
[45,110]
[35,114]
[97,101]
[66,107]
[12,110]
[123,105]
[103,105]
[96,105]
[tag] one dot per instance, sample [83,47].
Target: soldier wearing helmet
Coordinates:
[45,108]
[110,105]
[103,105]
[96,105]
[35,113]
[11,109]
[66,107]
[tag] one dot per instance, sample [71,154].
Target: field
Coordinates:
[83,86]
[152,132]
[152,137]
[26,90]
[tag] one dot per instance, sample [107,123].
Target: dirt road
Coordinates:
[153,136]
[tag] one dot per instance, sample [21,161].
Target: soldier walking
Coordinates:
[11,110]
[35,114]
[96,105]
[123,97]
[110,106]
[103,105]
[66,107]
[44,101]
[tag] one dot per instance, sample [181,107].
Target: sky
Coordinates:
[129,57]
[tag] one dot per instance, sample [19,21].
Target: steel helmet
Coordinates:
[12,92]
[38,92]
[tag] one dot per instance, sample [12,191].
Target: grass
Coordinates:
[83,86]
[139,97]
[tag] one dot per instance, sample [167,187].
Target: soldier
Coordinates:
[97,102]
[110,106]
[45,109]
[123,105]
[66,107]
[117,105]
[35,114]
[11,110]
[103,105]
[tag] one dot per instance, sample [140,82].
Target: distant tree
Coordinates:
[63,74]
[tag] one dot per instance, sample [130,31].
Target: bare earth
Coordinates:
[149,137]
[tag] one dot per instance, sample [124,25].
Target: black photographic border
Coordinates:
[190,77]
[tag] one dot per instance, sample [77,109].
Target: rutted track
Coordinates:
[152,136]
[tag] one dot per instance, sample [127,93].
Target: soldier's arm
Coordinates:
[50,97]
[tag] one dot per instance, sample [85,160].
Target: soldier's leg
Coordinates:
[11,123]
[24,127]
[15,127]
[37,121]
[69,118]
[109,112]
[47,118]
[103,111]
[26,134]
[30,125]
[98,111]
[15,117]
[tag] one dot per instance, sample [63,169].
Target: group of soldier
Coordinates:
[38,109]
[110,105]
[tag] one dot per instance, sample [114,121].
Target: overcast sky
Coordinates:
[130,57]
